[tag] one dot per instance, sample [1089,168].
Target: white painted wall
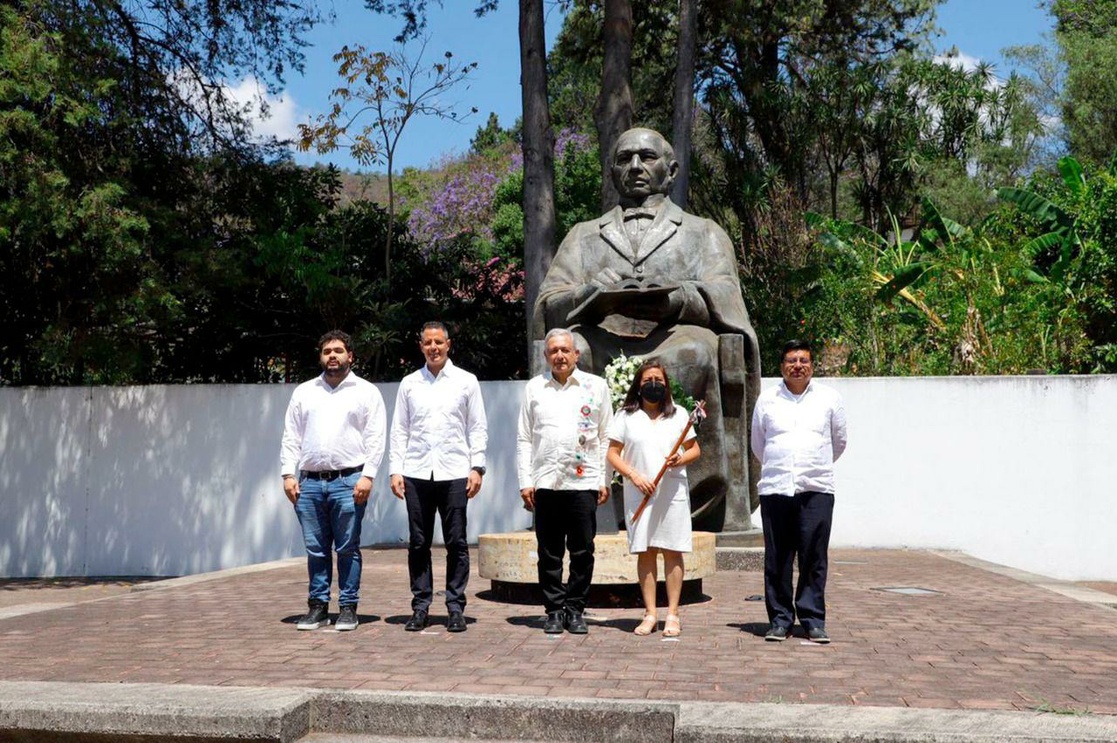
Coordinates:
[1015,470]
[172,480]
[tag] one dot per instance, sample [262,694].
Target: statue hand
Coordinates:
[608,278]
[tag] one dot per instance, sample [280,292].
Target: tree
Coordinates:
[764,54]
[115,131]
[1087,36]
[539,159]
[538,138]
[1069,237]
[682,121]
[490,136]
[394,89]
[612,114]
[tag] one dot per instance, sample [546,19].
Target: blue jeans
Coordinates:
[330,519]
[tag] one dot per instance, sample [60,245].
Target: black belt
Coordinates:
[331,474]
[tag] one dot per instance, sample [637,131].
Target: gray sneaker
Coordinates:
[318,616]
[347,619]
[777,634]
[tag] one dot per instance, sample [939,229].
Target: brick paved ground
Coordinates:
[985,641]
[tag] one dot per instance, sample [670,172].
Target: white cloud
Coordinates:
[959,60]
[267,115]
[270,116]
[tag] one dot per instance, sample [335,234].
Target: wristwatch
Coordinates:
[478,470]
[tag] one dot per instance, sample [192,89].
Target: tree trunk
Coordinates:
[612,113]
[391,224]
[684,98]
[539,156]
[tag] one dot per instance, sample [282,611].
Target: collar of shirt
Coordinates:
[576,377]
[791,395]
[446,370]
[349,380]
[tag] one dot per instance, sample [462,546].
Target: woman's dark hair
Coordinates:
[632,399]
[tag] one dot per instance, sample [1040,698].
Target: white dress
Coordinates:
[665,523]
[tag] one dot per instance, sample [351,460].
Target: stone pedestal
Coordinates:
[509,560]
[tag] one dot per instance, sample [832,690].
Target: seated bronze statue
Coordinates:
[647,279]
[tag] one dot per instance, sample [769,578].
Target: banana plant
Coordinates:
[897,263]
[1062,233]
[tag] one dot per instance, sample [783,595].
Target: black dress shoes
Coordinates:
[456,622]
[417,622]
[576,623]
[554,623]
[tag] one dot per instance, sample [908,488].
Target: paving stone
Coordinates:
[988,640]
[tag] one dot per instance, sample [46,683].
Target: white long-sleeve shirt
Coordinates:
[563,433]
[438,427]
[797,439]
[334,428]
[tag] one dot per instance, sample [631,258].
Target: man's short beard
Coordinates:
[340,371]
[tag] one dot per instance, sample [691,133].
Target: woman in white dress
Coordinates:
[641,438]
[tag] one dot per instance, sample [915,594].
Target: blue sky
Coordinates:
[979,29]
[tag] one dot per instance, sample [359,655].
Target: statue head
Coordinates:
[643,165]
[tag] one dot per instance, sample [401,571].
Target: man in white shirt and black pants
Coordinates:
[798,432]
[437,462]
[333,441]
[561,442]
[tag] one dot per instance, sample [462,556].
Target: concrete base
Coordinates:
[746,538]
[747,559]
[510,561]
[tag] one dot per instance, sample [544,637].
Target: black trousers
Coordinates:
[796,527]
[565,520]
[448,498]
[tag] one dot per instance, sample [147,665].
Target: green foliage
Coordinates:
[577,186]
[331,276]
[75,274]
[491,136]
[1090,94]
[1069,233]
[1086,33]
[948,299]
[575,62]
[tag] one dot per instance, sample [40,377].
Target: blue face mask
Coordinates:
[653,391]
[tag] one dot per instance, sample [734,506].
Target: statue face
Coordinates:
[642,165]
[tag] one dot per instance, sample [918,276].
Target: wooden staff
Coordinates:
[696,415]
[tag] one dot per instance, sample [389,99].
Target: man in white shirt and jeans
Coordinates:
[798,432]
[333,441]
[561,442]
[437,461]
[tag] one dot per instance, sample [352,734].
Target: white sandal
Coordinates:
[647,625]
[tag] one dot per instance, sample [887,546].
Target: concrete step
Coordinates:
[122,713]
[342,738]
[469,717]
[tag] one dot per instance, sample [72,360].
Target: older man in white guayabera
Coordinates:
[561,441]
